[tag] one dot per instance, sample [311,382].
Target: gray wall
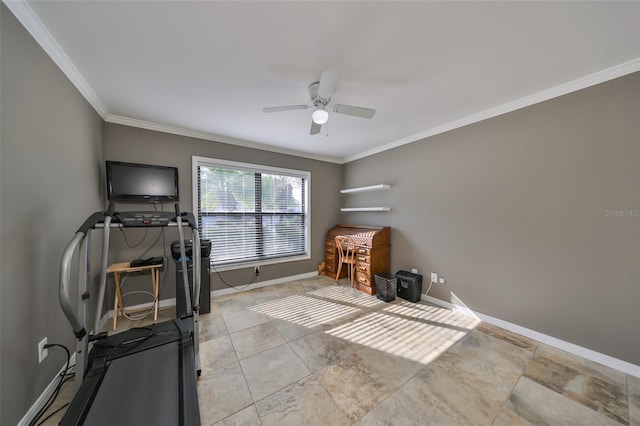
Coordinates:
[123,143]
[512,211]
[51,155]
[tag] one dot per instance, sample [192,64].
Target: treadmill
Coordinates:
[144,375]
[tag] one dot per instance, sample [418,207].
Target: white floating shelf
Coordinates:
[378,187]
[365,209]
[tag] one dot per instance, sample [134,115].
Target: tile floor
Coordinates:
[311,353]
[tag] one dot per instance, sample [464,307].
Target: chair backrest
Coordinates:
[346,248]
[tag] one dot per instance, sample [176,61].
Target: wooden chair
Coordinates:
[346,254]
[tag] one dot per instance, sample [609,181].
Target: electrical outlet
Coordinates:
[434,277]
[442,280]
[414,270]
[256,271]
[42,351]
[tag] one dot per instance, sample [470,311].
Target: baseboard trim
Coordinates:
[227,291]
[609,361]
[44,396]
[463,309]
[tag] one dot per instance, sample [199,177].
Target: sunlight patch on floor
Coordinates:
[433,314]
[415,331]
[347,295]
[409,339]
[304,310]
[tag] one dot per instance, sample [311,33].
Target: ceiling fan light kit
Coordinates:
[320,94]
[320,116]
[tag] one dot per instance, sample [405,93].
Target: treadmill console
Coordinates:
[143,219]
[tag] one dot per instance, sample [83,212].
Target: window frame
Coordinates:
[255,168]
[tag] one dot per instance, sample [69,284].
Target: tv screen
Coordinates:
[141,182]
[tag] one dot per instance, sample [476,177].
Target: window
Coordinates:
[251,213]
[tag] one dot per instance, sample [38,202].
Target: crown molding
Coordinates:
[174,130]
[554,92]
[43,37]
[38,31]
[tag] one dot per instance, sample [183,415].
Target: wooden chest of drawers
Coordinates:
[372,254]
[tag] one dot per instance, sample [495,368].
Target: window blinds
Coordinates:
[252,213]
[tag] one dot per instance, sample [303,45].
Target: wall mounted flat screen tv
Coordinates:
[130,182]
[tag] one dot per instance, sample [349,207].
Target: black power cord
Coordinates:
[52,398]
[238,287]
[53,413]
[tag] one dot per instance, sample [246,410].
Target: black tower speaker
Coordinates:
[205,276]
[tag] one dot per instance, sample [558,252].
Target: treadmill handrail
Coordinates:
[197,265]
[104,260]
[91,222]
[183,260]
[64,291]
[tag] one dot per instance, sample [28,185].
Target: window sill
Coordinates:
[365,209]
[251,265]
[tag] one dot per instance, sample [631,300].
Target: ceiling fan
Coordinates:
[320,94]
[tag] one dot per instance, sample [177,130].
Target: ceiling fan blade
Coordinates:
[327,85]
[284,108]
[354,111]
[315,128]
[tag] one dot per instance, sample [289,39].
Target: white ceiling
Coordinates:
[207,68]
